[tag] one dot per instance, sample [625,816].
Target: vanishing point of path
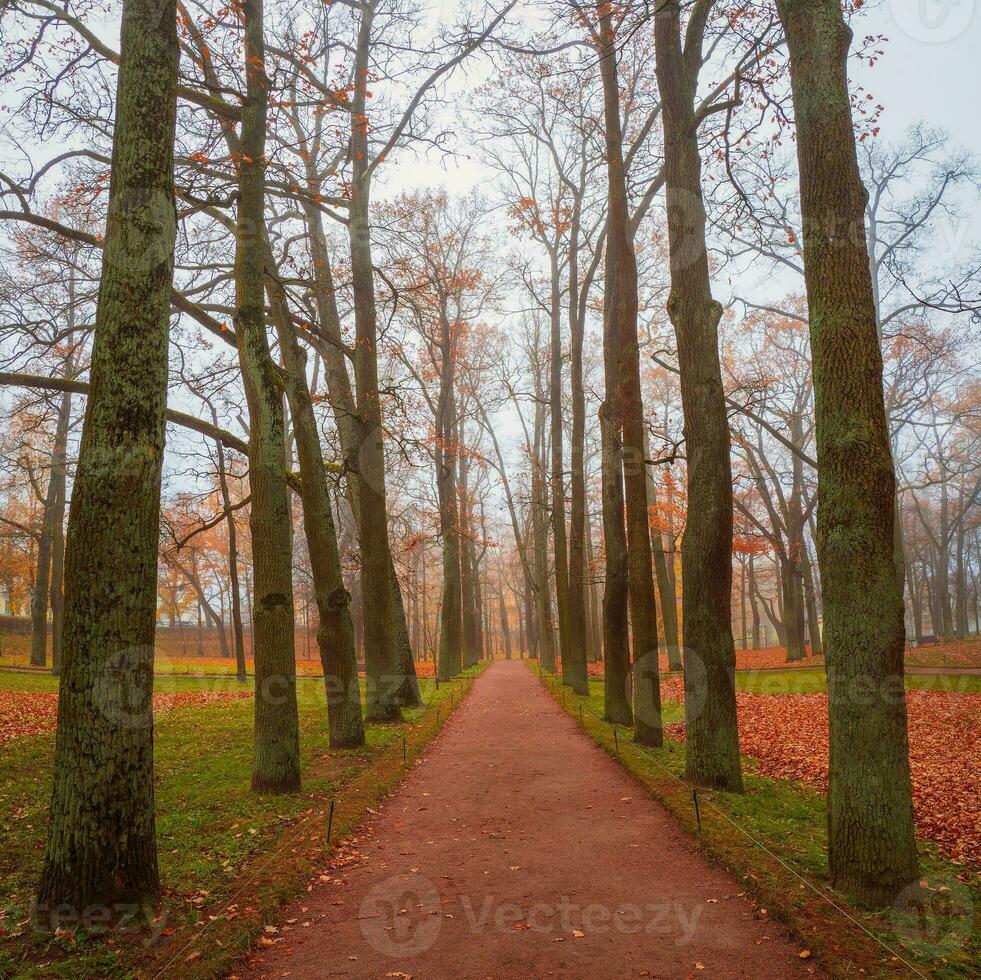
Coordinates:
[518,848]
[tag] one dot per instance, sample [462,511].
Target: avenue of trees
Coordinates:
[690,372]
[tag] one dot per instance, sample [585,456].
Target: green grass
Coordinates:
[213,832]
[787,820]
[811,680]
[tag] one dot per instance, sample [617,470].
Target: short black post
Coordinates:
[616,741]
[330,821]
[698,816]
[580,714]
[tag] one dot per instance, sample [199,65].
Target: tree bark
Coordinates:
[335,630]
[451,609]
[578,598]
[103,766]
[383,680]
[42,579]
[619,317]
[539,507]
[345,416]
[560,548]
[60,474]
[712,755]
[276,750]
[871,849]
[468,595]
[238,637]
[810,600]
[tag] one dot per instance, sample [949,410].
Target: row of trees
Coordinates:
[546,387]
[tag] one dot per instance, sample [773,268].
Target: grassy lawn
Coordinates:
[774,839]
[809,681]
[228,858]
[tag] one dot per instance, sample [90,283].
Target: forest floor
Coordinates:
[192,655]
[785,735]
[188,658]
[774,836]
[518,848]
[215,837]
[228,858]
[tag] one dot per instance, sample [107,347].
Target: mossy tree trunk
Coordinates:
[712,756]
[450,610]
[871,849]
[345,416]
[101,846]
[468,593]
[238,637]
[665,581]
[578,598]
[335,631]
[376,560]
[42,578]
[648,728]
[59,474]
[276,755]
[560,549]
[619,312]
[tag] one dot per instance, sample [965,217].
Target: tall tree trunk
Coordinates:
[793,609]
[345,417]
[556,481]
[450,609]
[60,475]
[753,603]
[915,591]
[42,579]
[335,631]
[238,638]
[579,634]
[810,600]
[470,628]
[384,682]
[665,580]
[595,602]
[505,630]
[481,610]
[619,317]
[539,507]
[742,605]
[871,850]
[643,609]
[276,749]
[712,755]
[418,558]
[103,765]
[960,579]
[52,529]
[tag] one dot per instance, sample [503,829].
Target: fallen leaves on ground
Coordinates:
[960,653]
[787,737]
[24,713]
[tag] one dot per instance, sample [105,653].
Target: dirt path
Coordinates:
[518,848]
